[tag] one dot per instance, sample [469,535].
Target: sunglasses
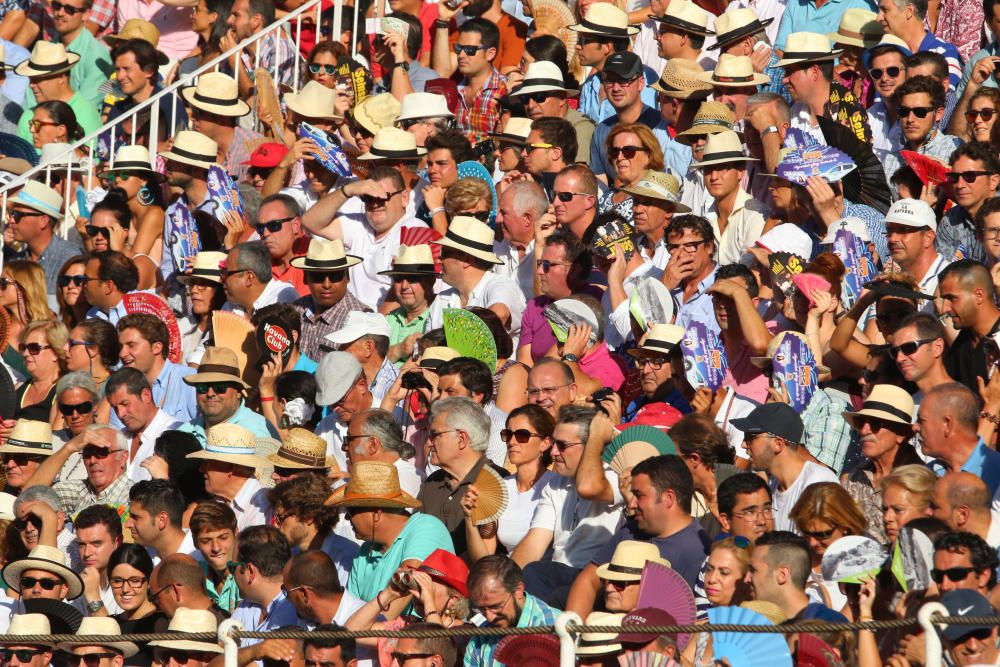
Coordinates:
[967,176]
[919,112]
[93,231]
[628,152]
[911,347]
[72,11]
[119,176]
[819,535]
[47,583]
[273,226]
[22,654]
[567,196]
[370,200]
[329,70]
[537,98]
[546,264]
[16,216]
[522,435]
[217,387]
[468,50]
[100,453]
[891,72]
[6,282]
[986,114]
[954,574]
[34,349]
[30,520]
[65,281]
[164,656]
[84,408]
[90,659]
[21,460]
[322,276]
[36,124]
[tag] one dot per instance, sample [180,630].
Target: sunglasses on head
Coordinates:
[217,387]
[68,410]
[65,281]
[910,347]
[22,654]
[93,231]
[954,574]
[522,435]
[273,226]
[468,49]
[322,276]
[919,112]
[47,583]
[89,659]
[986,114]
[628,152]
[891,72]
[34,349]
[967,176]
[329,70]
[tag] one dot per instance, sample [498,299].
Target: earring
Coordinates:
[144,196]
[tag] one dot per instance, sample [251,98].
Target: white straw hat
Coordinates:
[100,625]
[605,19]
[734,72]
[736,24]
[193,148]
[515,131]
[191,621]
[29,437]
[471,237]
[314,100]
[29,624]
[542,76]
[687,17]
[858,27]
[134,159]
[392,143]
[39,197]
[723,147]
[807,47]
[325,255]
[216,93]
[47,58]
[424,105]
[46,559]
[207,266]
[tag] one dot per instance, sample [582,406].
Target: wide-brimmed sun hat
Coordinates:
[134,160]
[100,625]
[325,256]
[606,20]
[207,266]
[191,621]
[22,625]
[600,643]
[885,402]
[47,58]
[858,27]
[542,77]
[39,197]
[314,100]
[687,17]
[376,111]
[711,118]
[807,47]
[218,364]
[392,143]
[373,484]
[679,79]
[660,186]
[46,559]
[734,72]
[420,106]
[415,260]
[736,24]
[216,93]
[660,340]
[722,148]
[515,131]
[472,237]
[628,560]
[193,148]
[303,450]
[29,437]
[230,443]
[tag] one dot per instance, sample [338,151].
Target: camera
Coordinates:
[414,380]
[599,396]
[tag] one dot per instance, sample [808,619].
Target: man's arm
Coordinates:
[751,324]
[584,591]
[48,470]
[320,219]
[591,482]
[443,61]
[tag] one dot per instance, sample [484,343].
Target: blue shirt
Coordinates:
[14,86]
[305,364]
[245,417]
[479,652]
[950,53]
[592,106]
[983,462]
[992,49]
[280,613]
[172,394]
[699,308]
[676,156]
[686,549]
[805,16]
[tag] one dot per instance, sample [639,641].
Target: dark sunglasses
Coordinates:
[326,69]
[481,216]
[567,196]
[954,574]
[22,654]
[546,264]
[819,535]
[65,281]
[6,282]
[217,387]
[891,72]
[100,453]
[909,348]
[17,215]
[84,408]
[967,176]
[72,11]
[30,520]
[370,200]
[522,435]
[34,349]
[537,98]
[401,658]
[321,276]
[919,112]
[986,114]
[181,657]
[47,584]
[273,226]
[468,49]
[628,152]
[93,231]
[22,460]
[90,659]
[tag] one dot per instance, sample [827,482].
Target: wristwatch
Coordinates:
[405,66]
[96,606]
[571,357]
[768,130]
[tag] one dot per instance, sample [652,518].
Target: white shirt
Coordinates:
[409,478]
[929,283]
[519,269]
[746,224]
[647,46]
[491,289]
[516,519]
[251,505]
[275,291]
[618,329]
[378,252]
[884,141]
[783,501]
[147,441]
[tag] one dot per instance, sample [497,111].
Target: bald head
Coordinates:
[315,570]
[179,569]
[956,401]
[963,489]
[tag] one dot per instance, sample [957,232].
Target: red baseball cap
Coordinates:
[659,415]
[267,155]
[447,568]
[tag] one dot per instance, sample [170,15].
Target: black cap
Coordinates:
[775,418]
[964,602]
[625,64]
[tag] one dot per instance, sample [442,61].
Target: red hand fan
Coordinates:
[534,650]
[930,171]
[144,302]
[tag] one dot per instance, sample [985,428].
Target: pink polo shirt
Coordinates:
[177,39]
[601,365]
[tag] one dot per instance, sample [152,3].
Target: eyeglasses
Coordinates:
[273,226]
[89,659]
[234,565]
[280,518]
[546,264]
[84,408]
[47,583]
[990,233]
[133,582]
[468,49]
[402,658]
[628,152]
[891,72]
[226,275]
[954,574]
[522,435]
[986,114]
[754,513]
[967,176]
[689,246]
[34,349]
[153,597]
[217,387]
[369,200]
[434,435]
[563,445]
[17,215]
[919,112]
[93,231]
[820,535]
[98,452]
[910,348]
[612,82]
[22,654]
[37,125]
[567,196]
[656,363]
[318,277]
[329,70]
[492,608]
[64,280]
[536,146]
[535,392]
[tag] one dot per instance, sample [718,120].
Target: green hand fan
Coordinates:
[468,335]
[635,444]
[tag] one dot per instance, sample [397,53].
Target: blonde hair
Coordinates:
[915,478]
[465,193]
[829,502]
[646,138]
[56,335]
[30,279]
[742,554]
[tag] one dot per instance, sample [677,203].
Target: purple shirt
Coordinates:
[535,329]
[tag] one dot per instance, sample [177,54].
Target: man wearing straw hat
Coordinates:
[188,652]
[109,654]
[424,115]
[683,28]
[413,276]
[661,368]
[27,654]
[229,463]
[23,450]
[216,109]
[544,94]
[48,71]
[33,215]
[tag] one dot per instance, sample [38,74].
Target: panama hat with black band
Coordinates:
[807,48]
[392,143]
[660,340]
[542,77]
[207,266]
[605,20]
[216,93]
[515,131]
[723,148]
[193,148]
[472,237]
[686,17]
[734,72]
[325,256]
[47,59]
[737,24]
[133,160]
[886,403]
[417,260]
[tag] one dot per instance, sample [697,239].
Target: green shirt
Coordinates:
[87,117]
[228,597]
[87,76]
[399,328]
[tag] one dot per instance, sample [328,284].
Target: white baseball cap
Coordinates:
[911,213]
[358,324]
[852,224]
[787,238]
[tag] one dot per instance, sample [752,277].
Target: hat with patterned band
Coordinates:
[29,437]
[712,117]
[734,72]
[325,256]
[303,450]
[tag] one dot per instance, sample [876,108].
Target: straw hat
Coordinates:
[434,357]
[886,402]
[218,364]
[472,237]
[736,24]
[29,437]
[230,443]
[100,625]
[890,40]
[680,80]
[392,143]
[207,266]
[325,256]
[191,621]
[600,643]
[416,260]
[139,29]
[542,77]
[734,72]
[373,484]
[303,450]
[418,106]
[216,93]
[858,27]
[661,339]
[605,19]
[134,159]
[58,154]
[686,17]
[712,117]
[629,559]
[807,47]
[661,186]
[376,112]
[768,610]
[515,131]
[47,58]
[493,496]
[46,559]
[314,101]
[193,148]
[39,197]
[772,348]
[29,624]
[721,148]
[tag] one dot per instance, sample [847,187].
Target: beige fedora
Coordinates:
[736,24]
[207,266]
[47,58]
[723,147]
[303,450]
[134,160]
[325,256]
[141,29]
[858,27]
[59,155]
[807,47]
[193,148]
[711,118]
[25,625]
[314,101]
[392,143]
[471,237]
[679,80]
[660,340]
[434,357]
[600,643]
[230,443]
[191,621]
[418,106]
[415,260]
[686,17]
[661,186]
[39,197]
[376,111]
[885,402]
[772,349]
[606,20]
[373,484]
[216,93]
[46,559]
[100,625]
[218,364]
[542,77]
[734,72]
[29,437]
[628,560]
[515,131]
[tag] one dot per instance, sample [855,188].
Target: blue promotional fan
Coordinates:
[470,169]
[747,649]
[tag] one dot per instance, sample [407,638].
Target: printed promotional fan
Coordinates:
[182,235]
[636,444]
[663,588]
[794,369]
[224,194]
[651,303]
[705,362]
[747,649]
[534,650]
[858,261]
[329,152]
[811,158]
[643,659]
[611,234]
[493,497]
[469,336]
[274,336]
[564,313]
[144,302]
[784,265]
